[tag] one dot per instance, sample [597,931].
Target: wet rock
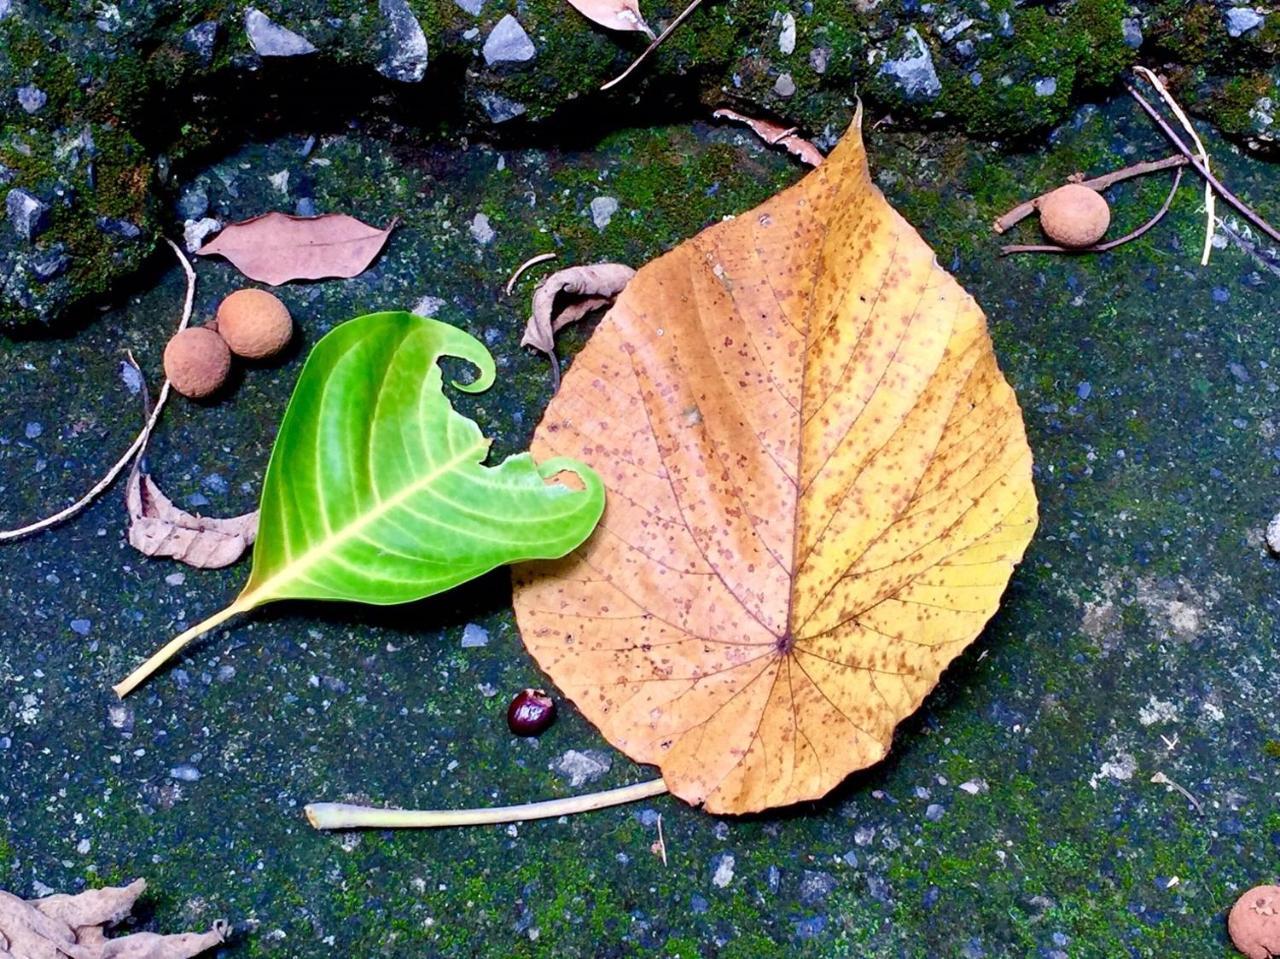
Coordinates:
[31,98]
[185,773]
[269,39]
[472,7]
[202,40]
[6,7]
[120,229]
[785,86]
[581,767]
[48,265]
[195,232]
[508,43]
[1240,20]
[914,71]
[787,36]
[816,886]
[474,636]
[722,869]
[1132,28]
[818,58]
[28,215]
[405,56]
[602,210]
[481,231]
[500,109]
[194,203]
[1046,86]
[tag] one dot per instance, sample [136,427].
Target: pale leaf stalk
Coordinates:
[331,815]
[1204,156]
[684,14]
[175,645]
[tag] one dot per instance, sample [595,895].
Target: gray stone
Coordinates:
[950,33]
[48,265]
[194,202]
[1132,28]
[81,627]
[6,175]
[508,43]
[934,812]
[474,636]
[405,55]
[914,73]
[269,39]
[602,210]
[472,7]
[185,773]
[306,206]
[202,40]
[1046,86]
[722,869]
[31,98]
[581,767]
[785,86]
[818,58]
[33,430]
[6,8]
[28,215]
[121,229]
[480,229]
[500,109]
[1240,20]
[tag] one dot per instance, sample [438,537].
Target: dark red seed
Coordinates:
[531,712]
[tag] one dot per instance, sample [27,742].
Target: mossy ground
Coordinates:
[1136,639]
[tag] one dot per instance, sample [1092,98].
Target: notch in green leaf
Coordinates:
[377,490]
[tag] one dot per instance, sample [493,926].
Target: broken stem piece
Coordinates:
[532,261]
[1204,154]
[1100,247]
[134,448]
[654,45]
[1245,210]
[172,648]
[329,815]
[1098,183]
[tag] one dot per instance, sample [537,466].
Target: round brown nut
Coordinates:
[254,323]
[1254,922]
[197,362]
[1074,215]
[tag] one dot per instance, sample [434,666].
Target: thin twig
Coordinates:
[328,815]
[662,842]
[654,45]
[1245,210]
[1204,154]
[1264,258]
[1098,183]
[1162,780]
[1110,244]
[134,448]
[533,260]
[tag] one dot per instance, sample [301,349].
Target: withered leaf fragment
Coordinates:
[158,528]
[586,288]
[74,927]
[613,14]
[776,135]
[275,247]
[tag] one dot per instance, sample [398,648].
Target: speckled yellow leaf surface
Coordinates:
[818,487]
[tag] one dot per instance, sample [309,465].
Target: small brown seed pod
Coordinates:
[1074,215]
[197,361]
[254,323]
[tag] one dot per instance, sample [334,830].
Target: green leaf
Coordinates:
[377,490]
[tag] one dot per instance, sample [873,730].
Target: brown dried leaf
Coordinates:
[72,927]
[276,247]
[818,486]
[594,286]
[775,135]
[614,14]
[158,528]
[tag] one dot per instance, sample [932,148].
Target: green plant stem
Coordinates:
[330,815]
[171,649]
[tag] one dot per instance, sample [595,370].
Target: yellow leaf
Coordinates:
[818,486]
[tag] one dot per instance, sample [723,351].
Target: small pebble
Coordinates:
[1273,534]
[185,772]
[722,870]
[474,636]
[81,626]
[33,430]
